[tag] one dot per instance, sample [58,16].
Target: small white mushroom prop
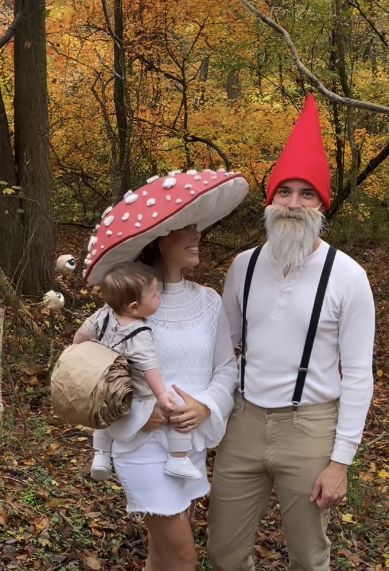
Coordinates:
[53,300]
[66,264]
[162,205]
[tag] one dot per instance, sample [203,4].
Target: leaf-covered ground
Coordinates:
[54,517]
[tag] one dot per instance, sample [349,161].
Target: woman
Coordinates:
[193,342]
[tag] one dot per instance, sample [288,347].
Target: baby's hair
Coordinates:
[126,283]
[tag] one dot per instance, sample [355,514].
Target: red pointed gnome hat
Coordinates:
[304,156]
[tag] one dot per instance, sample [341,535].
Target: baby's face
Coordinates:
[151,300]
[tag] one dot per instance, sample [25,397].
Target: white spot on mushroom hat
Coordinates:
[160,216]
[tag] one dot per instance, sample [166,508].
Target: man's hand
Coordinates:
[331,486]
[157,419]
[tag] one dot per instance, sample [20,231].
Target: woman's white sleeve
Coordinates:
[219,396]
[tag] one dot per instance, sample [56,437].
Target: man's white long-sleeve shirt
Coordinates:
[278,315]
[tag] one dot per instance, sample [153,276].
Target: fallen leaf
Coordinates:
[41,524]
[53,449]
[266,552]
[93,515]
[93,563]
[115,487]
[3,516]
[348,518]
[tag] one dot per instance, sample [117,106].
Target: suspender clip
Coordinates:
[303,369]
[295,405]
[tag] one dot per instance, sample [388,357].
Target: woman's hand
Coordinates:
[157,419]
[188,416]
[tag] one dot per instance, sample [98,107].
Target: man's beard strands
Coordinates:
[292,234]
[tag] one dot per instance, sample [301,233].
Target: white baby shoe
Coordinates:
[101,466]
[182,468]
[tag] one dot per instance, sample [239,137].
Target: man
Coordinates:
[303,449]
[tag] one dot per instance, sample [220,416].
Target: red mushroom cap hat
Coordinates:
[164,204]
[304,157]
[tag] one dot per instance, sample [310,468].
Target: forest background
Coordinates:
[96,96]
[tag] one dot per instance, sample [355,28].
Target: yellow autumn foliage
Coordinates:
[196,69]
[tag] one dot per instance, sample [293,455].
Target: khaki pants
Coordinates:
[262,448]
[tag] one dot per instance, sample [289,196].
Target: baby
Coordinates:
[131,295]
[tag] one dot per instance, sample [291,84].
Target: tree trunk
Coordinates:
[35,271]
[7,167]
[122,111]
[11,228]
[2,314]
[233,85]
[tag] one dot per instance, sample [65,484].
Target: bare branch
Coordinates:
[384,9]
[305,71]
[362,176]
[381,35]
[103,107]
[151,65]
[197,36]
[195,138]
[191,139]
[109,25]
[9,34]
[8,296]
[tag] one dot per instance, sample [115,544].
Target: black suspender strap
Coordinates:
[318,303]
[246,289]
[303,368]
[131,335]
[126,338]
[104,328]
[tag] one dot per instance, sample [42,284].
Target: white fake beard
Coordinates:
[292,233]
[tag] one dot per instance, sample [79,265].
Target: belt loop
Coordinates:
[294,414]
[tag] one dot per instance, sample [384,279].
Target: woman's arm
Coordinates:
[215,402]
[224,380]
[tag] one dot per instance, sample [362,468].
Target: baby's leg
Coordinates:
[102,440]
[178,463]
[179,444]
[101,465]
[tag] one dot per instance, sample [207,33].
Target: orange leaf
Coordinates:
[3,516]
[41,524]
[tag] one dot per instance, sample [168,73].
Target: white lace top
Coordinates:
[193,343]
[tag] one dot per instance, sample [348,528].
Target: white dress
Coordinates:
[193,342]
